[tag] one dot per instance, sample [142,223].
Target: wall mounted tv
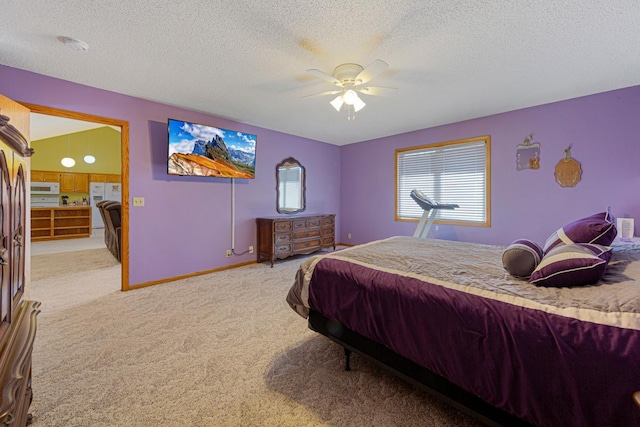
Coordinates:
[199,150]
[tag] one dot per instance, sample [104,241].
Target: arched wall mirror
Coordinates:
[290,186]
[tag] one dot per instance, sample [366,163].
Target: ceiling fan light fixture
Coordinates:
[358,104]
[350,78]
[337,102]
[350,97]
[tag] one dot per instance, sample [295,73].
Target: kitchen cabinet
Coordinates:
[74,182]
[45,176]
[60,223]
[41,223]
[105,177]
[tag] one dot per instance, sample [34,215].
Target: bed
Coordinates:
[448,316]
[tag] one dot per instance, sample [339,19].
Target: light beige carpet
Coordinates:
[68,279]
[217,350]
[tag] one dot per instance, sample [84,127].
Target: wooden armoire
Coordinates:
[17,314]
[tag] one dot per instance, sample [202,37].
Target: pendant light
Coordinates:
[68,161]
[89,158]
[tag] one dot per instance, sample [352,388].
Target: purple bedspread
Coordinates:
[546,368]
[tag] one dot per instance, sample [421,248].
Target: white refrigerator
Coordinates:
[99,191]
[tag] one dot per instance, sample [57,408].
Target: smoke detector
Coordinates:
[74,44]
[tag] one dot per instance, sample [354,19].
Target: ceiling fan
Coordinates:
[352,79]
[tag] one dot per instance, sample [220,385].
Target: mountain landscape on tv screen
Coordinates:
[210,157]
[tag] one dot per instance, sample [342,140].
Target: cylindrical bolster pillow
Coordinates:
[521,258]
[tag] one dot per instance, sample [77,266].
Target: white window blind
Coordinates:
[453,172]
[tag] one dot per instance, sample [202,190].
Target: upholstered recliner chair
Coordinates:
[112,215]
[100,205]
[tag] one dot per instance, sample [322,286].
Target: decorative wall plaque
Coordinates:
[528,154]
[568,170]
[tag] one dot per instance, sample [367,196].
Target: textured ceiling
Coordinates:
[247,60]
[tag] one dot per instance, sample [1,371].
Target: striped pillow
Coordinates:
[599,228]
[576,264]
[521,257]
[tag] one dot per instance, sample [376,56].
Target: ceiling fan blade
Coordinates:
[325,76]
[329,92]
[378,90]
[372,70]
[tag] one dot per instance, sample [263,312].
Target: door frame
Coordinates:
[124,171]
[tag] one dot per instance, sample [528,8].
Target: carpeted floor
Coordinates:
[217,350]
[68,279]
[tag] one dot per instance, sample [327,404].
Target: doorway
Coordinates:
[123,126]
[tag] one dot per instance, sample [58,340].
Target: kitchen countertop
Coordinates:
[61,207]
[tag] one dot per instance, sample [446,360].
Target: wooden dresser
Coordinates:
[284,236]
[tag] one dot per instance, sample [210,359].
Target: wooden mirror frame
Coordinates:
[291,162]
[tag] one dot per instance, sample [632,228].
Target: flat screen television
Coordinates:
[199,150]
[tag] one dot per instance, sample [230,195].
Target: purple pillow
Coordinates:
[521,257]
[572,265]
[599,228]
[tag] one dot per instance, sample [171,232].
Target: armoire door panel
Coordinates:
[17,315]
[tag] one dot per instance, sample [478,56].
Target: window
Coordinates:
[447,172]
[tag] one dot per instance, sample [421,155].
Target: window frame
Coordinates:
[487,141]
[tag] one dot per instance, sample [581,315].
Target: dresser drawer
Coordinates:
[306,223]
[282,238]
[283,249]
[282,226]
[327,220]
[307,244]
[328,241]
[305,233]
[328,231]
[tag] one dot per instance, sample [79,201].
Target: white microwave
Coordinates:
[45,188]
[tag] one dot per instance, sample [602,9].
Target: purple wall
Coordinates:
[185,225]
[603,129]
